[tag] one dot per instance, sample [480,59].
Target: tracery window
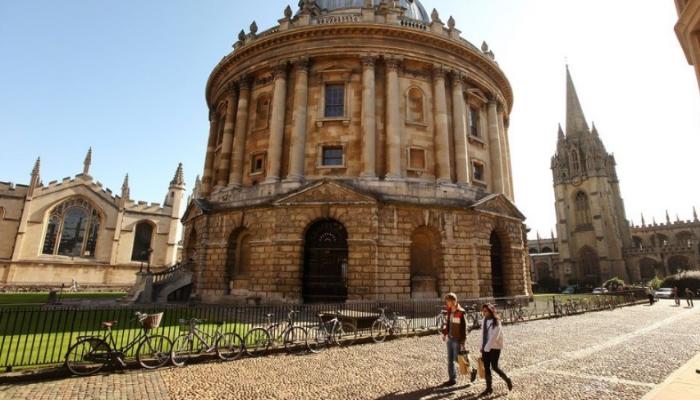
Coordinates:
[583,210]
[575,161]
[72,229]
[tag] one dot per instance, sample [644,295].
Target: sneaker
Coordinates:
[486,392]
[509,382]
[473,376]
[449,383]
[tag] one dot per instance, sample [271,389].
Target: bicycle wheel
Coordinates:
[257,341]
[400,327]
[345,334]
[183,350]
[154,351]
[295,340]
[87,356]
[277,332]
[229,346]
[379,331]
[316,339]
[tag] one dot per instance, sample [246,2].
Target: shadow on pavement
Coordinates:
[431,393]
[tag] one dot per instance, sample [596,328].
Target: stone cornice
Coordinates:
[235,63]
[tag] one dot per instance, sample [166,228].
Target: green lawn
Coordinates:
[42,297]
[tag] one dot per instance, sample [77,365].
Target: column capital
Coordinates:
[392,63]
[438,71]
[244,82]
[368,60]
[231,87]
[302,64]
[457,77]
[279,70]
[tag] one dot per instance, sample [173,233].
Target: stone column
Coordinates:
[393,120]
[298,140]
[442,139]
[459,124]
[211,149]
[505,155]
[369,120]
[495,152]
[279,99]
[226,143]
[238,153]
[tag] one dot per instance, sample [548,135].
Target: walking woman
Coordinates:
[491,346]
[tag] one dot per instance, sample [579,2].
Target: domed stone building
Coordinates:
[357,151]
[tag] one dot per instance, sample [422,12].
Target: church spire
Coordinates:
[560,133]
[668,219]
[643,222]
[179,178]
[87,162]
[695,215]
[125,189]
[575,120]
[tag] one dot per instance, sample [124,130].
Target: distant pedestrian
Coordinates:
[491,346]
[689,297]
[455,334]
[650,295]
[676,296]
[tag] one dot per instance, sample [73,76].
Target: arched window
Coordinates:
[532,250]
[262,111]
[589,266]
[546,250]
[684,239]
[638,242]
[238,254]
[72,229]
[583,210]
[575,162]
[415,105]
[143,235]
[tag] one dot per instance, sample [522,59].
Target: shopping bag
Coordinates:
[463,362]
[481,368]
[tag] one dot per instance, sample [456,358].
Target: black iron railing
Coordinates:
[41,335]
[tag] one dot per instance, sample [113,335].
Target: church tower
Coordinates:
[591,223]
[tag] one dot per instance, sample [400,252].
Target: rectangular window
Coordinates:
[257,163]
[416,159]
[473,121]
[332,156]
[478,171]
[335,101]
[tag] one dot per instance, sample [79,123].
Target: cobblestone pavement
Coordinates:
[617,354]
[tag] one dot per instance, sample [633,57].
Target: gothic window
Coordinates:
[143,235]
[583,210]
[72,229]
[334,101]
[416,107]
[474,121]
[546,250]
[575,161]
[416,159]
[332,156]
[638,242]
[684,239]
[262,111]
[532,250]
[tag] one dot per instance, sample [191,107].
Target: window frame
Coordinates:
[154,231]
[320,159]
[409,159]
[476,165]
[95,218]
[334,76]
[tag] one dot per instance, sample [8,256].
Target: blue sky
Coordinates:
[127,78]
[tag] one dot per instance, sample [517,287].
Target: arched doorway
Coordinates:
[325,262]
[425,261]
[237,256]
[589,267]
[497,277]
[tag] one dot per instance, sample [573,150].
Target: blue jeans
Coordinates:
[452,353]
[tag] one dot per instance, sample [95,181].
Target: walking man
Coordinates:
[454,332]
[689,297]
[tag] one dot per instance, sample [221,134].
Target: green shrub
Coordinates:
[683,280]
[655,283]
[614,284]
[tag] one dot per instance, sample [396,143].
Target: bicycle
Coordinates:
[473,317]
[395,326]
[341,333]
[228,346]
[90,354]
[258,340]
[440,319]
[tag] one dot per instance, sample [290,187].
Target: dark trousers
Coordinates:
[651,299]
[491,363]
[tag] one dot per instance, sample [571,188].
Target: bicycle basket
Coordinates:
[152,321]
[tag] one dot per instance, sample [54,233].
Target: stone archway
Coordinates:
[677,264]
[497,270]
[648,269]
[325,262]
[425,263]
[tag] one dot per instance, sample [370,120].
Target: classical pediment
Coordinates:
[498,204]
[324,193]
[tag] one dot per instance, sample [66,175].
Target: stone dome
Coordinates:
[414,9]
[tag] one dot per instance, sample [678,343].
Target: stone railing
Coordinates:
[339,19]
[412,23]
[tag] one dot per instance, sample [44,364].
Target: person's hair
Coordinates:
[492,310]
[451,296]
